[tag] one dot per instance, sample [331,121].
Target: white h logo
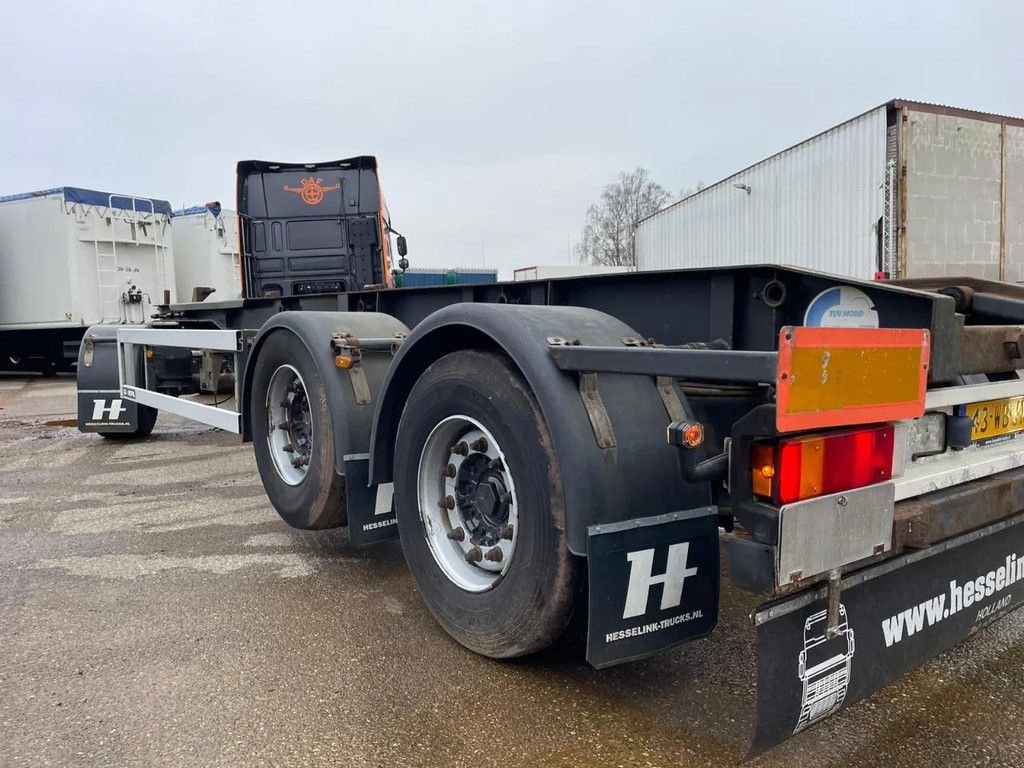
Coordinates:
[100,411]
[641,563]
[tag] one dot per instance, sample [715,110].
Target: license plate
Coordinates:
[994,419]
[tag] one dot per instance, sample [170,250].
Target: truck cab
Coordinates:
[309,228]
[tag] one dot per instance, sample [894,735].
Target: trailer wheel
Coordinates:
[146,422]
[480,511]
[292,436]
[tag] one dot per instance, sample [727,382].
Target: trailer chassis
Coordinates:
[594,371]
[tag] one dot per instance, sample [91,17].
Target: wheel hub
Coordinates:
[289,424]
[467,503]
[479,491]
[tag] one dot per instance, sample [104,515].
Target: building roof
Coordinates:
[943,109]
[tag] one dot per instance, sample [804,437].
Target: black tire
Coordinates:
[531,605]
[318,501]
[147,420]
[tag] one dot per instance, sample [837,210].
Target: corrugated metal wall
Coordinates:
[419,278]
[815,205]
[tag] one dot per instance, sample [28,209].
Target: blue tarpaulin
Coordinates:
[95,197]
[195,210]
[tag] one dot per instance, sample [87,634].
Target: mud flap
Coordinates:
[652,583]
[371,515]
[892,617]
[106,410]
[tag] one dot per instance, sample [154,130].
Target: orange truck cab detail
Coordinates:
[310,228]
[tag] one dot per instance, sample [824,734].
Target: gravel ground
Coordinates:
[154,611]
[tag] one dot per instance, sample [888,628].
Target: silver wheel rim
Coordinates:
[468,504]
[289,425]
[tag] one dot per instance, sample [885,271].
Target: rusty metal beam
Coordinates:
[992,349]
[921,522]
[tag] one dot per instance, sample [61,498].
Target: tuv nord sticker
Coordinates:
[841,307]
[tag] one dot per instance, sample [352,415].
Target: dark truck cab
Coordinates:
[309,228]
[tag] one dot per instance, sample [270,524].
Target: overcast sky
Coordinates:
[496,124]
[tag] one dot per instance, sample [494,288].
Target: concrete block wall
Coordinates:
[953,196]
[1015,204]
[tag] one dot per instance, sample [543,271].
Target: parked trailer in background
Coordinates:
[552,271]
[71,258]
[206,258]
[904,190]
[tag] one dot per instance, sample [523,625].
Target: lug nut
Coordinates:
[506,497]
[457,534]
[479,445]
[497,464]
[494,555]
[288,448]
[446,503]
[448,471]
[474,555]
[286,403]
[460,448]
[285,425]
[506,532]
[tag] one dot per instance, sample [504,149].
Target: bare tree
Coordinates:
[687,191]
[607,237]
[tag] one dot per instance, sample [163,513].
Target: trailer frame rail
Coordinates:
[133,389]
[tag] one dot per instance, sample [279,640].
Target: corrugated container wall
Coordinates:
[419,278]
[817,205]
[72,257]
[206,252]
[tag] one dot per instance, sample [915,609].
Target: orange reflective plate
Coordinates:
[831,377]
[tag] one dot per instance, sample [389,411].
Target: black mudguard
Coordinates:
[100,405]
[640,476]
[370,517]
[652,584]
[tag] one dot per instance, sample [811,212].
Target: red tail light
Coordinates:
[817,465]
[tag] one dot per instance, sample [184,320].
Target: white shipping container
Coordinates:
[551,271]
[206,252]
[817,205]
[73,257]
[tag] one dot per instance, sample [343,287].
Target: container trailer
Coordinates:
[206,257]
[72,258]
[422,276]
[593,444]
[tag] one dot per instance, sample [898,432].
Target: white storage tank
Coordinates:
[206,253]
[73,257]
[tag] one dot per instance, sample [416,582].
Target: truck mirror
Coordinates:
[402,247]
[403,264]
